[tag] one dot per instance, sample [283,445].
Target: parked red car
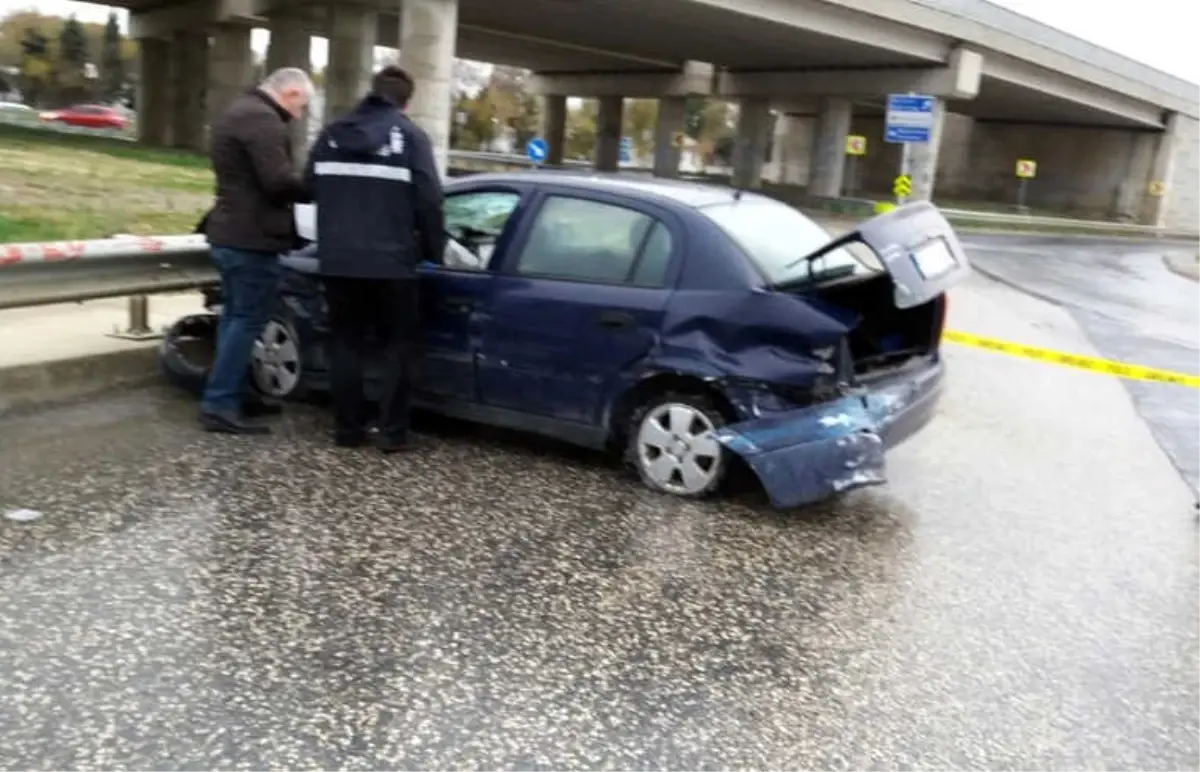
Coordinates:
[87,117]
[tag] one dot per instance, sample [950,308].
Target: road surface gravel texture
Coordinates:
[1022,595]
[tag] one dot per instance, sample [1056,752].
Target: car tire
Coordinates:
[186,353]
[277,367]
[670,444]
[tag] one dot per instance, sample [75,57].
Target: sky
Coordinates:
[1145,35]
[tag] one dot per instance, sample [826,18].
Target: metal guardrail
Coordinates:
[44,273]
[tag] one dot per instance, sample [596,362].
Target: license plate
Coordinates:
[933,259]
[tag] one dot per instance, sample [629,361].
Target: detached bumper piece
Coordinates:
[807,455]
[803,456]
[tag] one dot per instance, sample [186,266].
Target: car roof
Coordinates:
[691,194]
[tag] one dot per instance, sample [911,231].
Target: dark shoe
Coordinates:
[391,445]
[254,407]
[230,423]
[350,439]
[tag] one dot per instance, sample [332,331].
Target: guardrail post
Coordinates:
[139,321]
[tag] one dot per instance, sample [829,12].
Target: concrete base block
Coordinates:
[62,380]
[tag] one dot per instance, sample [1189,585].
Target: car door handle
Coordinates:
[457,303]
[616,319]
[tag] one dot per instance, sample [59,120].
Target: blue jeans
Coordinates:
[249,289]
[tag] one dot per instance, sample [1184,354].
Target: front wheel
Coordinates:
[276,364]
[673,447]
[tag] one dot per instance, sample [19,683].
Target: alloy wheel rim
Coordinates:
[677,448]
[276,361]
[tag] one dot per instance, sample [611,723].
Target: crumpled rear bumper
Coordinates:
[802,456]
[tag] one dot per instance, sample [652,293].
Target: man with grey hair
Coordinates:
[250,224]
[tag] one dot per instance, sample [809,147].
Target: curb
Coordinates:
[62,380]
[1187,266]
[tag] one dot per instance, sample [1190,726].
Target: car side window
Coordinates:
[652,265]
[581,240]
[474,223]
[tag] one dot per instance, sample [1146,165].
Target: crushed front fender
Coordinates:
[805,455]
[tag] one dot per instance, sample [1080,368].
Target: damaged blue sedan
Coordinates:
[683,325]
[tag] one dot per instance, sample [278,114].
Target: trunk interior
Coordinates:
[883,338]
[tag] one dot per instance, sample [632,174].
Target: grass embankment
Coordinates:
[55,185]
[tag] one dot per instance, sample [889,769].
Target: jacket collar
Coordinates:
[270,101]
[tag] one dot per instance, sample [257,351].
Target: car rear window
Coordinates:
[776,237]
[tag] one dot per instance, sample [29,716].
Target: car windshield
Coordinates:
[777,238]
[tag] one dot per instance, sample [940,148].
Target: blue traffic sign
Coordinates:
[909,118]
[536,150]
[626,150]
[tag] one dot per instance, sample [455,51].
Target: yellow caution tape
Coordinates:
[1094,364]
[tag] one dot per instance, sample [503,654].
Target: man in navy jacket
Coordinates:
[379,214]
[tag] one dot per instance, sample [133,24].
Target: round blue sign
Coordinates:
[536,150]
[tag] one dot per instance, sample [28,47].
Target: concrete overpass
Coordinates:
[1109,134]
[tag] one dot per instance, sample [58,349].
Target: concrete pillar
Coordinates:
[154,92]
[291,46]
[829,149]
[428,33]
[554,127]
[750,145]
[956,162]
[1132,189]
[923,157]
[608,133]
[189,87]
[351,31]
[672,116]
[791,163]
[1163,171]
[230,67]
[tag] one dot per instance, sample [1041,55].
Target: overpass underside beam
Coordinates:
[693,79]
[165,19]
[958,79]
[1087,98]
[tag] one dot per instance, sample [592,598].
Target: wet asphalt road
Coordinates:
[1132,307]
[1022,595]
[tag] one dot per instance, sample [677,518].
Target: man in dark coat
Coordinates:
[251,223]
[379,214]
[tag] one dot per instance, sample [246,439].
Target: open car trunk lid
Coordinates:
[916,245]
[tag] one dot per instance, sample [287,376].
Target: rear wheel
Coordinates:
[673,447]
